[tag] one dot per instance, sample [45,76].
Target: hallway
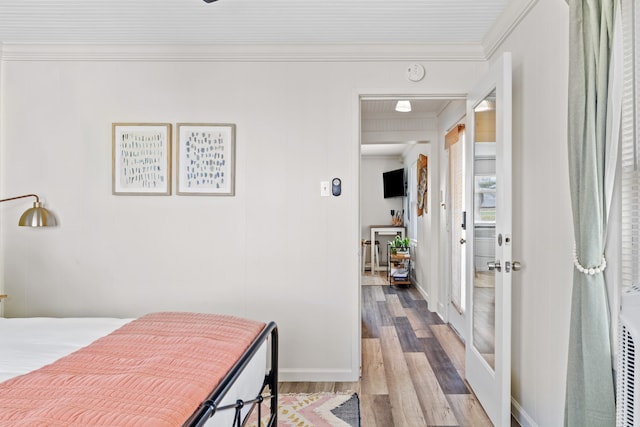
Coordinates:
[412,367]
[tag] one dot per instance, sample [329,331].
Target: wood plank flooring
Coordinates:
[412,367]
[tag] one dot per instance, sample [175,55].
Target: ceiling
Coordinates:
[395,132]
[420,24]
[248,21]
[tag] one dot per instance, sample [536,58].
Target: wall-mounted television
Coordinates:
[393,183]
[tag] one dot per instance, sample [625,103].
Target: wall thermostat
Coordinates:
[336,186]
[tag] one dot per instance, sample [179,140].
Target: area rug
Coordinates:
[372,280]
[317,410]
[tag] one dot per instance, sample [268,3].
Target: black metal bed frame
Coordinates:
[212,404]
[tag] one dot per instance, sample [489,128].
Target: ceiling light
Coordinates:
[403,106]
[485,105]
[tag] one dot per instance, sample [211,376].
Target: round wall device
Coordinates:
[415,72]
[336,186]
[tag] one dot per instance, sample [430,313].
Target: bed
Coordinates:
[163,369]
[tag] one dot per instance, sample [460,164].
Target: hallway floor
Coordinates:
[412,367]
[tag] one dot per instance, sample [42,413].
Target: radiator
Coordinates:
[628,371]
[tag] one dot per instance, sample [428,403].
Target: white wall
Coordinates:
[426,251]
[542,211]
[276,250]
[270,251]
[2,303]
[542,224]
[374,208]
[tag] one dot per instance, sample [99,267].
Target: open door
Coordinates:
[456,229]
[489,241]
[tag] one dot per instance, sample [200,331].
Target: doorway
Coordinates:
[489,114]
[387,139]
[390,139]
[408,322]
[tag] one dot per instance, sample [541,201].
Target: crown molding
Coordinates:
[242,53]
[510,18]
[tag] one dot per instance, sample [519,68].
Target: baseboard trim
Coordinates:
[521,415]
[424,294]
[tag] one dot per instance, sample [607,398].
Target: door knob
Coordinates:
[462,241]
[494,265]
[509,265]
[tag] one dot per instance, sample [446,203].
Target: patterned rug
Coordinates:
[372,280]
[317,410]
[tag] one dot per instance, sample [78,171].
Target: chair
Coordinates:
[376,254]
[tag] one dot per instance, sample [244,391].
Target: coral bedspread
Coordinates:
[153,371]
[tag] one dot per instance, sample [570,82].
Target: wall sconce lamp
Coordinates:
[37,216]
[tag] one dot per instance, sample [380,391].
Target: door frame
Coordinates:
[444,277]
[455,319]
[435,185]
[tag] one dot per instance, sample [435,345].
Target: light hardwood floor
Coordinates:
[412,367]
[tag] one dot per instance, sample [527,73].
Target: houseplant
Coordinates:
[399,244]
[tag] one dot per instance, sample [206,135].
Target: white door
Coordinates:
[489,241]
[455,143]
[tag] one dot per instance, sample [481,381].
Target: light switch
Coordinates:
[325,188]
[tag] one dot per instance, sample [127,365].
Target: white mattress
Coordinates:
[27,344]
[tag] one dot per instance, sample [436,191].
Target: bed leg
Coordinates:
[237,421]
[273,377]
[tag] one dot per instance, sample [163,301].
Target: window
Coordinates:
[630,148]
[485,199]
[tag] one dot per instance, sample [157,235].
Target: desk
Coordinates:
[383,230]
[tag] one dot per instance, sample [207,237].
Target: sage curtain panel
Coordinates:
[590,396]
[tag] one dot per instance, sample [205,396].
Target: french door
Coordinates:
[489,241]
[455,143]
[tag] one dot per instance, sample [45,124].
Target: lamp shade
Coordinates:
[37,216]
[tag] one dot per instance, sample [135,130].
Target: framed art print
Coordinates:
[141,158]
[423,184]
[206,159]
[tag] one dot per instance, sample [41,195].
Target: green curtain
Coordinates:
[590,395]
